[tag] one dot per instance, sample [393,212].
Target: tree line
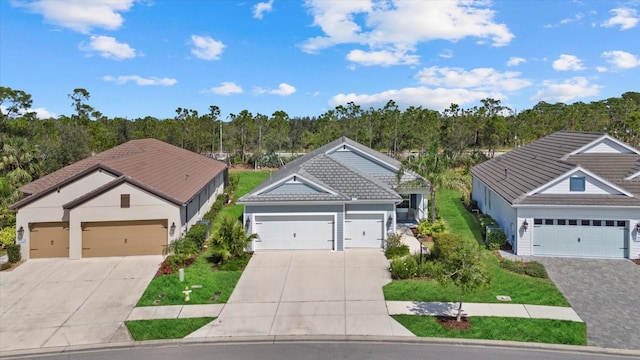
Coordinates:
[33,147]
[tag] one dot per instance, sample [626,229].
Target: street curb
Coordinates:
[524,346]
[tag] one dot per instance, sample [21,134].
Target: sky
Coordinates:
[141,58]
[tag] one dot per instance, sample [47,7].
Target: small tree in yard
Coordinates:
[462,265]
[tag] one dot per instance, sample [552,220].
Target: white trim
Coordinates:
[633,176]
[575,206]
[573,171]
[599,140]
[365,154]
[298,177]
[335,223]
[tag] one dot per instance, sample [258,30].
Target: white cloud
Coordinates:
[139,80]
[568,62]
[446,53]
[626,18]
[515,61]
[568,90]
[601,69]
[439,98]
[397,27]
[621,59]
[283,89]
[226,88]
[108,47]
[383,58]
[261,8]
[42,113]
[485,79]
[206,48]
[577,17]
[80,16]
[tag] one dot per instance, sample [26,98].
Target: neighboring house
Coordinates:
[341,195]
[568,194]
[132,199]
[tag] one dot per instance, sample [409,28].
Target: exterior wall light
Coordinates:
[525,225]
[20,233]
[638,227]
[247,223]
[172,229]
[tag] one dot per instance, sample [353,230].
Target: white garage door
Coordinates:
[294,232]
[363,231]
[580,238]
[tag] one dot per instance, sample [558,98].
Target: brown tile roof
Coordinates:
[175,172]
[533,165]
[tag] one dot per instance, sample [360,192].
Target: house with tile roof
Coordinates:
[571,193]
[341,195]
[132,199]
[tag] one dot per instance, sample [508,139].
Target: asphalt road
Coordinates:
[330,350]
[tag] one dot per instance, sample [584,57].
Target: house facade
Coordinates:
[573,194]
[132,199]
[341,195]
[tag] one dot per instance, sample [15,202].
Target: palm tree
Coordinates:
[232,237]
[437,169]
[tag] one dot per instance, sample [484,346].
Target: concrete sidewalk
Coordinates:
[393,308]
[482,309]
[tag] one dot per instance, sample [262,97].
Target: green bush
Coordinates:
[444,243]
[5,266]
[235,264]
[404,268]
[535,269]
[7,236]
[496,239]
[428,268]
[181,251]
[13,252]
[427,228]
[512,266]
[198,234]
[396,251]
[232,184]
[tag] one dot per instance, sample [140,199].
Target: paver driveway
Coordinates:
[605,293]
[308,293]
[60,302]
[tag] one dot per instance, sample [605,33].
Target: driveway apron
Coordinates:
[605,294]
[308,293]
[61,302]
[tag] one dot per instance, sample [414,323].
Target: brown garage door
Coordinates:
[122,238]
[50,239]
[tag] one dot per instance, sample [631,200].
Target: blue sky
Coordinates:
[139,58]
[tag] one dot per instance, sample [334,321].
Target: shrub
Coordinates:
[427,228]
[404,268]
[215,208]
[198,234]
[13,252]
[232,184]
[429,269]
[232,237]
[394,240]
[444,244]
[235,264]
[181,251]
[5,266]
[496,239]
[535,269]
[396,251]
[8,236]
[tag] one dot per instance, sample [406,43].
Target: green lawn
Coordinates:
[499,328]
[217,285]
[522,289]
[165,328]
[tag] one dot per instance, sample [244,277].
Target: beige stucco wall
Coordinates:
[49,207]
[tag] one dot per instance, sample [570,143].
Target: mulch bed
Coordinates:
[637,261]
[452,324]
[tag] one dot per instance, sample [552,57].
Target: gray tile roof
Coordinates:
[347,182]
[526,168]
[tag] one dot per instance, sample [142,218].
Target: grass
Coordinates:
[500,328]
[217,285]
[522,289]
[165,328]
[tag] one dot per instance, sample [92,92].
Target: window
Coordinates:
[609,222]
[584,222]
[573,222]
[597,222]
[548,221]
[537,221]
[576,183]
[622,223]
[562,222]
[125,201]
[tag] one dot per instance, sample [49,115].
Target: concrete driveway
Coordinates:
[308,293]
[605,294]
[60,302]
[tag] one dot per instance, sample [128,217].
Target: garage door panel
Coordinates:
[363,231]
[295,232]
[581,240]
[47,240]
[124,238]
